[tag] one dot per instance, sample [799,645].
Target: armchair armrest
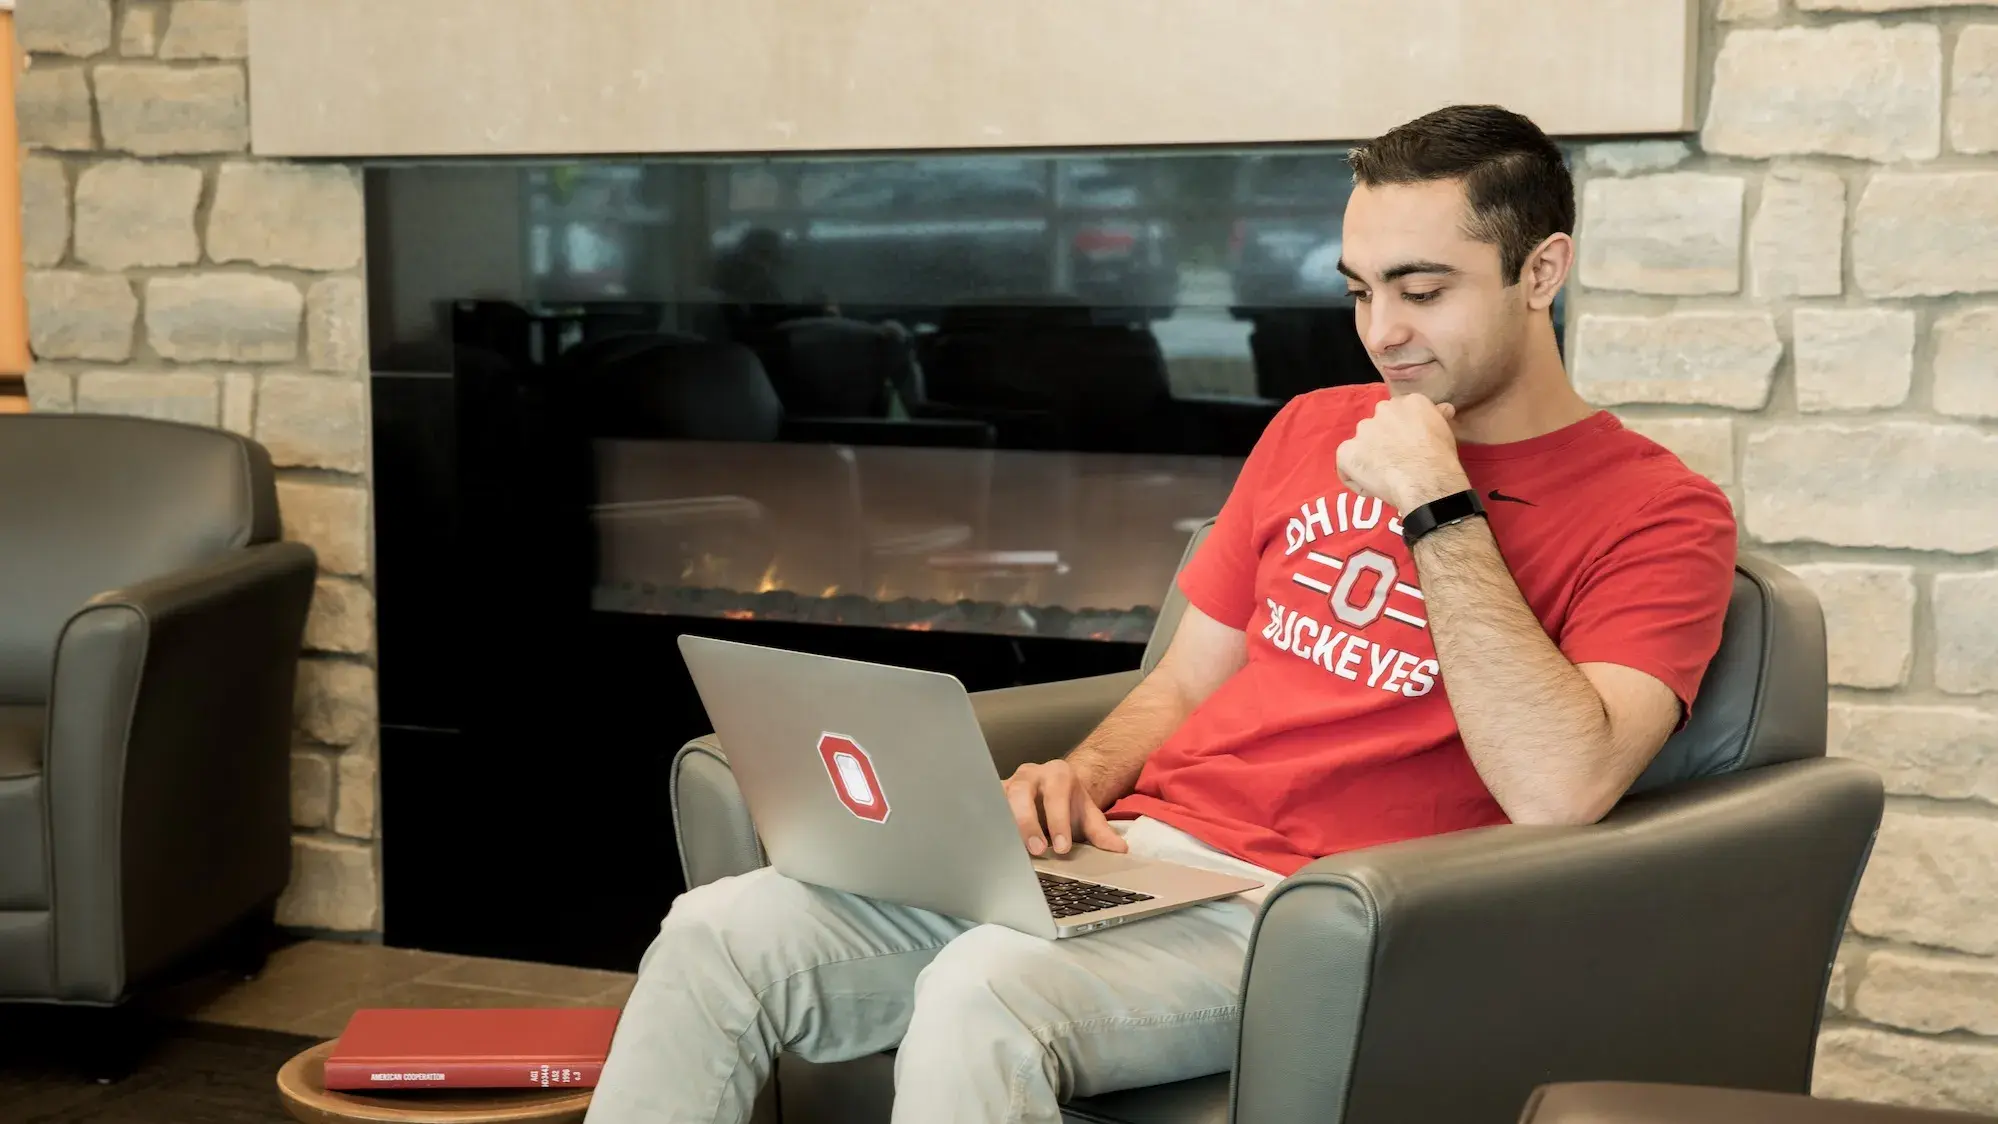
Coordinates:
[1685,939]
[169,761]
[711,823]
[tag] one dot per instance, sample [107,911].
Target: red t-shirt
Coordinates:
[1338,733]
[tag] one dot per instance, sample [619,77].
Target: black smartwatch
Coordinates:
[1453,508]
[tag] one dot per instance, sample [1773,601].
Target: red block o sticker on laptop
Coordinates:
[853,778]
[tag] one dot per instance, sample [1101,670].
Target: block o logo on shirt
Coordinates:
[853,777]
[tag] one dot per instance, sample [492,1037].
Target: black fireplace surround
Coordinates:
[951,412]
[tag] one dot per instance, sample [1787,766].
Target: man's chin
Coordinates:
[1421,380]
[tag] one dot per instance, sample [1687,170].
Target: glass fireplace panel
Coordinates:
[988,393]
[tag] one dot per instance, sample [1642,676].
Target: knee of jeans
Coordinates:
[728,919]
[988,971]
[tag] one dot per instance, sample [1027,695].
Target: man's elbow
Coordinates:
[1574,805]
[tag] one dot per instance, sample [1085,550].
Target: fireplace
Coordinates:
[956,413]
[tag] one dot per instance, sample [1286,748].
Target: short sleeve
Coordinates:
[1220,578]
[1655,600]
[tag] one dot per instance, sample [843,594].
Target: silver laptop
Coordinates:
[876,780]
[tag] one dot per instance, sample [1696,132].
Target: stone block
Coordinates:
[1941,752]
[52,109]
[44,211]
[239,402]
[63,27]
[131,214]
[50,392]
[139,35]
[1882,5]
[307,216]
[1966,607]
[1918,234]
[1796,244]
[1626,158]
[151,110]
[206,29]
[342,618]
[182,396]
[336,324]
[1966,363]
[1735,11]
[230,317]
[1673,233]
[1929,993]
[355,814]
[1853,89]
[1683,358]
[336,701]
[77,315]
[1869,620]
[332,519]
[1864,1064]
[1973,90]
[1932,880]
[1838,988]
[314,421]
[1901,484]
[311,789]
[1852,358]
[334,886]
[1706,445]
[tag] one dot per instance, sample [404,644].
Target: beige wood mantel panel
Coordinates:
[492,77]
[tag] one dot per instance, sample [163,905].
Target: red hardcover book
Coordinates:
[491,1048]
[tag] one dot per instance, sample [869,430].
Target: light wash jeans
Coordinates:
[991,1024]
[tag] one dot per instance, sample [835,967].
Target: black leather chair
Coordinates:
[1686,938]
[150,624]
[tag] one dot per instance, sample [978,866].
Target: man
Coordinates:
[1460,598]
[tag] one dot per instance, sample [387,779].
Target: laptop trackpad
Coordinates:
[1084,861]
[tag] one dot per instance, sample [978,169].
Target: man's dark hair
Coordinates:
[1517,183]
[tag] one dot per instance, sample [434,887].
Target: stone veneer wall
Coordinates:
[1803,302]
[171,275]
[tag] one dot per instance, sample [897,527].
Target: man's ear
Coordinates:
[1546,270]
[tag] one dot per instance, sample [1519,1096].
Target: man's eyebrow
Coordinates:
[1404,269]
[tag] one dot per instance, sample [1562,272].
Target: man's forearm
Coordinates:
[1109,760]
[1535,727]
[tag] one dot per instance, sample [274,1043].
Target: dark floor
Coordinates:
[193,1073]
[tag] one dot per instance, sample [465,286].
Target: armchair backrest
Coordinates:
[95,503]
[1763,699]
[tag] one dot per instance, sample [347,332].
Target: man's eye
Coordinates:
[1424,298]
[1357,294]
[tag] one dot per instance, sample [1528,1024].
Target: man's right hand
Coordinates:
[1051,803]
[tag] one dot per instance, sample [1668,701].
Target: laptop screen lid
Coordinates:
[870,779]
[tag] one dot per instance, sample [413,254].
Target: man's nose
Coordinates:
[1381,330]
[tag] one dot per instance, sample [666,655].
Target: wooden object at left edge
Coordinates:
[14,358]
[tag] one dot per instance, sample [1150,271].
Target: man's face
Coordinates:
[1431,303]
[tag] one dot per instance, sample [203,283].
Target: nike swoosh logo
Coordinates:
[1503,498]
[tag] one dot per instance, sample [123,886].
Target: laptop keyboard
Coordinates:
[1068,897]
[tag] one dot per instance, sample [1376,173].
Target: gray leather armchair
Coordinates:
[1686,938]
[150,623]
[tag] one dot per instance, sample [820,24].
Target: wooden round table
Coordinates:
[301,1084]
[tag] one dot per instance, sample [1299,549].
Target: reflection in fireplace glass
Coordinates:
[986,393]
[985,540]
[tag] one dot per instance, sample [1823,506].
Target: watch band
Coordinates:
[1453,508]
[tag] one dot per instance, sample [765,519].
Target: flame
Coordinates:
[739,614]
[828,592]
[919,626]
[769,580]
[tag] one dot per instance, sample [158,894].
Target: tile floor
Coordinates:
[311,987]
